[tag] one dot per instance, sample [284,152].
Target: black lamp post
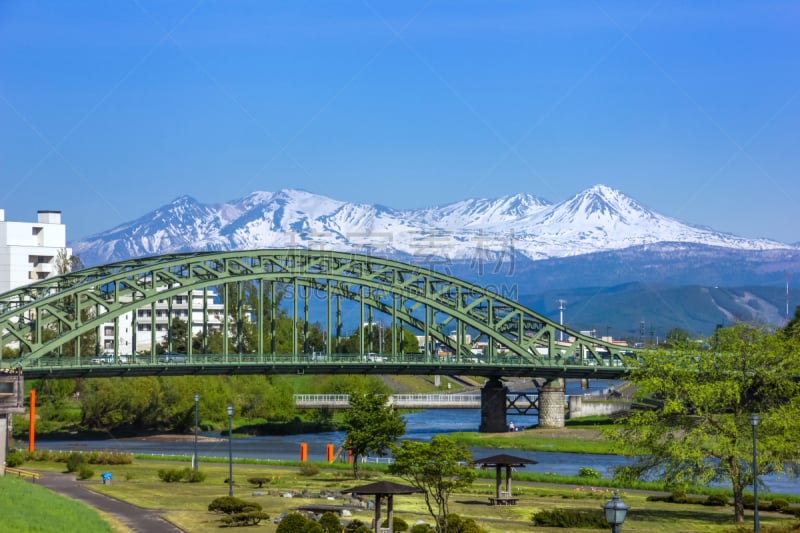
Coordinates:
[230,450]
[194,458]
[615,510]
[756,525]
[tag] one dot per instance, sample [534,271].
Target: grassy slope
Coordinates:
[25,507]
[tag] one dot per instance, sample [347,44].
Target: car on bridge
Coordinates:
[373,357]
[108,359]
[171,357]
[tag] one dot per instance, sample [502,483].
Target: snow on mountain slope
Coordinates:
[598,219]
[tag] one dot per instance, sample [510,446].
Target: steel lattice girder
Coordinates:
[76,303]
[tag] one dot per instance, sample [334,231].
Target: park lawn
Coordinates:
[185,504]
[26,507]
[568,440]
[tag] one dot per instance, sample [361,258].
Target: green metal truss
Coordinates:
[43,318]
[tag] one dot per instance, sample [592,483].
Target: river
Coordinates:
[420,425]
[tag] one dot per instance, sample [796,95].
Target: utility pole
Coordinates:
[562,304]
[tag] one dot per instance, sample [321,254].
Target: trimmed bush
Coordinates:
[250,518]
[399,524]
[778,505]
[421,528]
[172,475]
[74,461]
[231,505]
[85,471]
[330,523]
[354,525]
[716,500]
[589,472]
[293,523]
[177,474]
[570,518]
[258,481]
[309,470]
[14,459]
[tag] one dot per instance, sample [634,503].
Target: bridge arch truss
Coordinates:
[53,316]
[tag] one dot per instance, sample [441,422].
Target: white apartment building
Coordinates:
[28,250]
[158,317]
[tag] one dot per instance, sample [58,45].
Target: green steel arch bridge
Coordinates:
[51,322]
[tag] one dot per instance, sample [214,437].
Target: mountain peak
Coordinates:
[599,219]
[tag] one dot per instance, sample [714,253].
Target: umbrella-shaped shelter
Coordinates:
[379,490]
[504,497]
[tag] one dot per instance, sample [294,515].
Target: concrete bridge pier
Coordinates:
[551,404]
[493,406]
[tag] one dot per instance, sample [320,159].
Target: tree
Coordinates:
[700,430]
[439,468]
[371,425]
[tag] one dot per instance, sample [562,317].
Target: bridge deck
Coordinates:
[410,364]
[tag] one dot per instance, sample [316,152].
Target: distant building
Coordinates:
[152,322]
[28,250]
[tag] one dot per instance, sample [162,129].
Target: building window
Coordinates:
[108,331]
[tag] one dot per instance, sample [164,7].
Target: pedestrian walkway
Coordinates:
[136,518]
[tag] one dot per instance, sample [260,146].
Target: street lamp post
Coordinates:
[756,525]
[195,459]
[616,511]
[230,450]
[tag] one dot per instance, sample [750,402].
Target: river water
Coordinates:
[420,425]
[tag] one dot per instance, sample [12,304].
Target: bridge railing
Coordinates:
[69,361]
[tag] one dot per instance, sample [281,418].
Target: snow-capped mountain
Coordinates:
[599,219]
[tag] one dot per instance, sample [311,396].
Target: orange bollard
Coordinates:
[303,451]
[350,457]
[32,422]
[329,453]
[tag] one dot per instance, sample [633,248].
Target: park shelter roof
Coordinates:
[504,459]
[383,487]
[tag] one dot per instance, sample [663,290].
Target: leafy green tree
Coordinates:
[439,468]
[371,425]
[792,328]
[700,430]
[676,338]
[293,523]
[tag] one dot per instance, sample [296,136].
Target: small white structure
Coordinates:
[28,250]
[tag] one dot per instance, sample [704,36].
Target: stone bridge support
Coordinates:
[551,404]
[493,406]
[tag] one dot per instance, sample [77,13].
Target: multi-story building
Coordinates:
[29,250]
[152,322]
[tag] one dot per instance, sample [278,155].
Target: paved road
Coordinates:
[136,518]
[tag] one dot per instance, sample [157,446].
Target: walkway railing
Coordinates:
[33,476]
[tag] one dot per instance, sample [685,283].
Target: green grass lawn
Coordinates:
[25,507]
[185,504]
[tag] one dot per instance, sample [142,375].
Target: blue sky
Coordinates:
[111,109]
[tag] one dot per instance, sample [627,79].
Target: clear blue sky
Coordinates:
[111,109]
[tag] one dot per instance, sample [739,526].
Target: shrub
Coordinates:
[570,518]
[74,461]
[330,523]
[14,459]
[231,505]
[421,528]
[456,524]
[309,470]
[748,500]
[398,524]
[193,476]
[258,481]
[85,471]
[354,525]
[177,474]
[778,505]
[172,475]
[589,472]
[716,500]
[249,518]
[293,523]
